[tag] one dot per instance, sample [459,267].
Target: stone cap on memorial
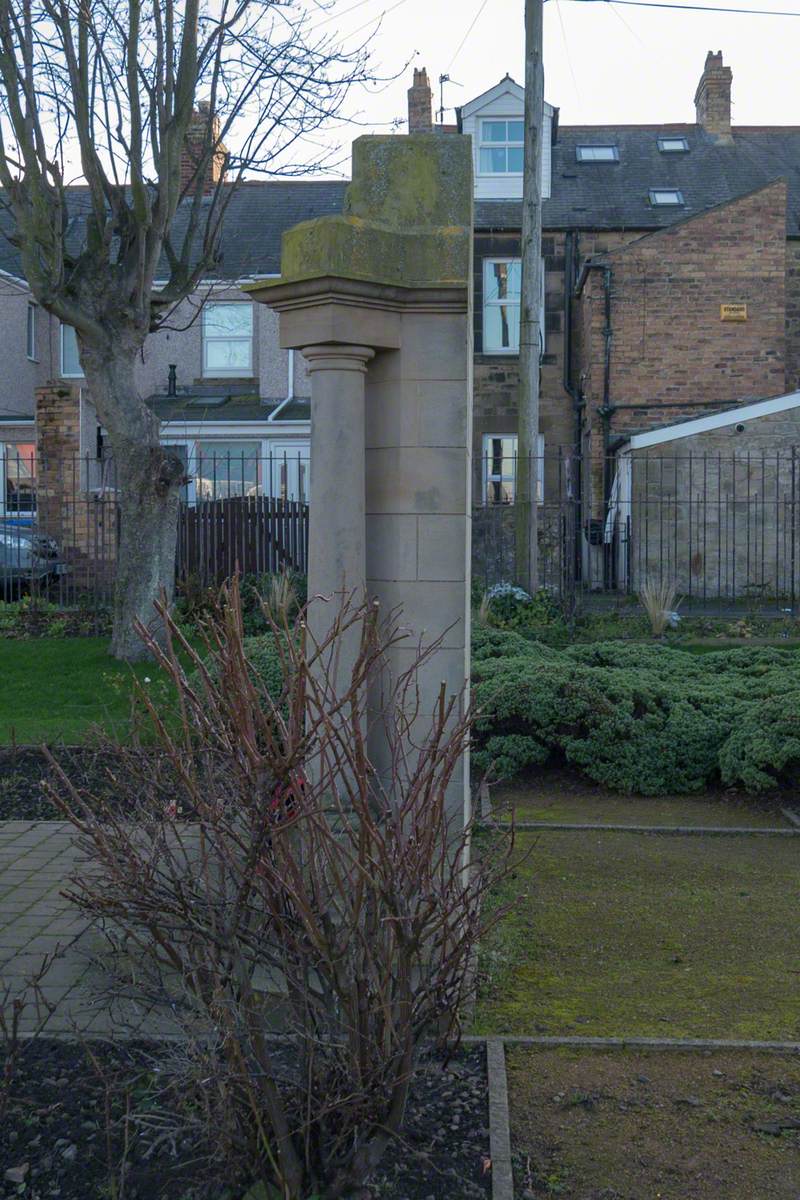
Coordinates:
[407,219]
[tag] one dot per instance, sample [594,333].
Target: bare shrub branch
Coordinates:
[271,874]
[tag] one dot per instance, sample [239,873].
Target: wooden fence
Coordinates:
[253,534]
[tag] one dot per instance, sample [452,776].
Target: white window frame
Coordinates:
[676,144]
[505,350]
[588,154]
[488,263]
[679,202]
[506,145]
[273,454]
[511,475]
[65,374]
[238,372]
[30,332]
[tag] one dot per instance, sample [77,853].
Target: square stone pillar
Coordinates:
[379,299]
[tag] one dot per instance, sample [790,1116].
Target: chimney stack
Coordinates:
[202,127]
[420,104]
[712,100]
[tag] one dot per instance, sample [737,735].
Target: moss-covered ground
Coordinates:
[564,797]
[620,934]
[654,1126]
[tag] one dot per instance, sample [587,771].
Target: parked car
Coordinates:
[27,559]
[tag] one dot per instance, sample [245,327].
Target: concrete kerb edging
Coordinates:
[499,1127]
[637,1043]
[791,815]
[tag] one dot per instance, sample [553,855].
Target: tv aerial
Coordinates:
[443,79]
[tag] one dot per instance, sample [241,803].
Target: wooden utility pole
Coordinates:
[528,465]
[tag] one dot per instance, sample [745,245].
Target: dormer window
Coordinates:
[673,145]
[597,153]
[666,196]
[501,147]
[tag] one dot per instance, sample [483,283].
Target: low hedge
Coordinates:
[637,718]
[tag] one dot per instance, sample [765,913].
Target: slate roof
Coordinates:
[615,195]
[238,403]
[258,213]
[593,195]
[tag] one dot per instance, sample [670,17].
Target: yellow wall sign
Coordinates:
[733,312]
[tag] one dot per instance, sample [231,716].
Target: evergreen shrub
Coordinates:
[637,718]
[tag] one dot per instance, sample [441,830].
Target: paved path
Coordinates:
[36,861]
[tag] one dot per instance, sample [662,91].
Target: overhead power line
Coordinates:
[472,25]
[751,12]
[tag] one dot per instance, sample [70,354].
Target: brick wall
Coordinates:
[792,314]
[672,357]
[82,518]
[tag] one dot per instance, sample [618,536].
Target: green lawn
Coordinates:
[56,689]
[648,935]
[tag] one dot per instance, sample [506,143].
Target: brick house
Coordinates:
[653,237]
[671,284]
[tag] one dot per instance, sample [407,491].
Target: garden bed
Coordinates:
[25,774]
[55,1125]
[624,1125]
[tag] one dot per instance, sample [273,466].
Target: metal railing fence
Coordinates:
[724,528]
[60,523]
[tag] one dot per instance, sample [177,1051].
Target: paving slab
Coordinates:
[83,981]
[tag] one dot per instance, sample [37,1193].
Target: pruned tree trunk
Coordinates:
[149,478]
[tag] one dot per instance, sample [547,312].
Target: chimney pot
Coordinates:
[712,100]
[420,103]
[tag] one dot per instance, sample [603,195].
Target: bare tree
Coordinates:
[263,842]
[107,91]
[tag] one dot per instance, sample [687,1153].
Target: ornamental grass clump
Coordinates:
[658,600]
[308,891]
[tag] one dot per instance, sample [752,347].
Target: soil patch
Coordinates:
[563,797]
[24,775]
[592,1125]
[56,1125]
[623,935]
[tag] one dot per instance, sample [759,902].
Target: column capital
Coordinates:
[335,356]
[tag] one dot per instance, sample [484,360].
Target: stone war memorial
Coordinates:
[378,300]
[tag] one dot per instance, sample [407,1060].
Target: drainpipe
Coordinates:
[571,254]
[606,411]
[276,412]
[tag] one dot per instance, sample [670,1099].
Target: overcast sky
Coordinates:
[603,62]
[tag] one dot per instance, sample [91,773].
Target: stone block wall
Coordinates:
[718,512]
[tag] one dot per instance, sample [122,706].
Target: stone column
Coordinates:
[337,535]
[337,532]
[390,499]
